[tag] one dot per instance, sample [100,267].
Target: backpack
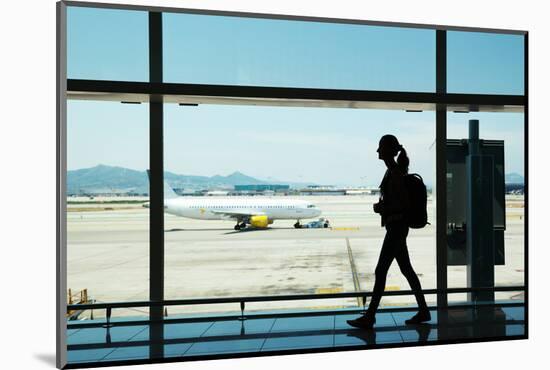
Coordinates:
[416,215]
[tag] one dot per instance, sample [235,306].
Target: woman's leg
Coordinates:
[404,262]
[381,271]
[384,261]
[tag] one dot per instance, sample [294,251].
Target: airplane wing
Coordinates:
[238,214]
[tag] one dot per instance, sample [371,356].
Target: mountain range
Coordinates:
[513,178]
[112,179]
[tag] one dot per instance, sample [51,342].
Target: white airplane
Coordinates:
[255,211]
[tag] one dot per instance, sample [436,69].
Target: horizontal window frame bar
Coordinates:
[157,90]
[292,297]
[288,17]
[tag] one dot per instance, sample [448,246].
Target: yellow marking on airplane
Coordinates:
[345,228]
[202,211]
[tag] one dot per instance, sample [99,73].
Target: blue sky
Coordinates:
[335,146]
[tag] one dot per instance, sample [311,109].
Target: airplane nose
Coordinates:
[317,212]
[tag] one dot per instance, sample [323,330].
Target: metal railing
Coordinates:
[109,306]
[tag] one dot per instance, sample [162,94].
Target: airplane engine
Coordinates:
[259,221]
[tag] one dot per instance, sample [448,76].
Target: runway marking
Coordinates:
[389,288]
[97,209]
[344,228]
[356,284]
[392,304]
[327,307]
[328,290]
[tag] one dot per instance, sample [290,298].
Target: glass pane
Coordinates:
[485,63]
[107,44]
[502,133]
[295,155]
[107,225]
[245,51]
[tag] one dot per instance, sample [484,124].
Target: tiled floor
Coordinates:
[134,342]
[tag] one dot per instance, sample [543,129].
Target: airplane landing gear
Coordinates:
[297,225]
[240,226]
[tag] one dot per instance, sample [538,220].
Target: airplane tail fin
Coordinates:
[168,191]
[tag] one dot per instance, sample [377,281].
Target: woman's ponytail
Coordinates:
[403,160]
[392,147]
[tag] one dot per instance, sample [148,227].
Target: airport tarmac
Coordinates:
[108,254]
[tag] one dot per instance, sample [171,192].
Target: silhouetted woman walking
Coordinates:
[391,207]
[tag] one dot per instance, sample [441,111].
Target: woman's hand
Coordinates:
[377,207]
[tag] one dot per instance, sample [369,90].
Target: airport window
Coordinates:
[485,63]
[502,138]
[297,54]
[107,44]
[103,202]
[310,101]
[303,132]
